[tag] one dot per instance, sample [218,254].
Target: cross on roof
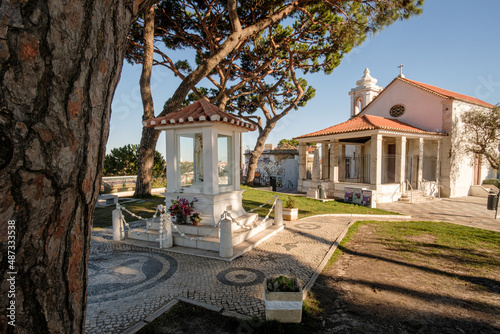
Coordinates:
[401,70]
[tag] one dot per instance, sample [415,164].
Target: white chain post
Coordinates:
[226,238]
[167,231]
[278,213]
[117,224]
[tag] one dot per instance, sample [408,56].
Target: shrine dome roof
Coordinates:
[200,111]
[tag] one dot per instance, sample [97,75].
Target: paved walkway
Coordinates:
[470,211]
[126,286]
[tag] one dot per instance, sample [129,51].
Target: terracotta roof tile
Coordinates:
[198,112]
[366,122]
[447,93]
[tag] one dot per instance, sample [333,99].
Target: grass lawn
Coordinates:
[398,277]
[417,240]
[307,206]
[144,207]
[252,198]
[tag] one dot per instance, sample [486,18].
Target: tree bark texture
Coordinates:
[145,164]
[60,64]
[149,136]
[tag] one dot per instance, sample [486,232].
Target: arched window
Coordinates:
[358,106]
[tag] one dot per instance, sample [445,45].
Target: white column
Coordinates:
[400,159]
[118,230]
[210,163]
[171,157]
[420,161]
[236,160]
[302,162]
[324,161]
[342,170]
[316,173]
[278,213]
[376,160]
[226,238]
[334,160]
[168,240]
[361,164]
[438,170]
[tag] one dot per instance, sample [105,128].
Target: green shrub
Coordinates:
[495,182]
[289,203]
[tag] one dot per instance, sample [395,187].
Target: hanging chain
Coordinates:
[225,215]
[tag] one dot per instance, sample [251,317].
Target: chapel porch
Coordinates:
[389,162]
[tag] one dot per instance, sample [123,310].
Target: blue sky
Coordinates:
[454,45]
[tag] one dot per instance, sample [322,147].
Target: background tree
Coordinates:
[178,18]
[482,133]
[60,62]
[143,183]
[318,34]
[123,161]
[291,142]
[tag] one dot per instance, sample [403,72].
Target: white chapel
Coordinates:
[404,136]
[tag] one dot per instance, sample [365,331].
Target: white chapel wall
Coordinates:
[423,109]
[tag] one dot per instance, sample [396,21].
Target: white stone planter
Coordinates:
[290,214]
[283,306]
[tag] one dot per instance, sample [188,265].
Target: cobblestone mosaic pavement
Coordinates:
[126,286]
[469,211]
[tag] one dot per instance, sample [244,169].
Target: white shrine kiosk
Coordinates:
[203,162]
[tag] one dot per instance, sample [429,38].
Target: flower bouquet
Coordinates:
[182,209]
[195,218]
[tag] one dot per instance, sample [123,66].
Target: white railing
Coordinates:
[404,187]
[121,227]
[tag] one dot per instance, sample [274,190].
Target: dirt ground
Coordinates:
[381,285]
[376,288]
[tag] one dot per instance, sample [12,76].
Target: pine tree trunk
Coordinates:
[149,136]
[257,151]
[145,165]
[60,64]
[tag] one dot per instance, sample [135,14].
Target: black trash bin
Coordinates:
[492,201]
[272,182]
[321,192]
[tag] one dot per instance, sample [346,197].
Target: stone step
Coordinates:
[140,234]
[242,234]
[257,239]
[243,247]
[200,230]
[245,220]
[210,242]
[416,198]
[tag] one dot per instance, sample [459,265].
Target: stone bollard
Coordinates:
[278,213]
[226,238]
[118,231]
[168,240]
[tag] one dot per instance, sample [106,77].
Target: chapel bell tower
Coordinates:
[365,91]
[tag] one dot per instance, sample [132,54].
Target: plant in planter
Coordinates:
[195,218]
[181,209]
[283,299]
[290,212]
